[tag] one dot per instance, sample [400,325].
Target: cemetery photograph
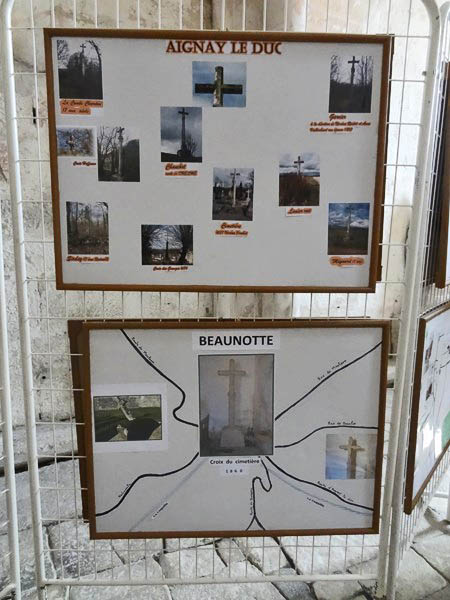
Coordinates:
[348,228]
[219,84]
[75,141]
[118,154]
[87,228]
[181,134]
[351,84]
[236,404]
[167,244]
[299,179]
[127,418]
[79,69]
[233,194]
[351,456]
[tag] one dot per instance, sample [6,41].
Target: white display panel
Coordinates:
[280,186]
[285,421]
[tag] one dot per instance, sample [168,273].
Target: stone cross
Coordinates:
[232,373]
[234,174]
[352,450]
[82,59]
[71,143]
[218,88]
[352,62]
[349,220]
[183,113]
[120,138]
[299,163]
[167,258]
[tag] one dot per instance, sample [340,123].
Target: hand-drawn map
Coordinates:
[257,427]
[430,419]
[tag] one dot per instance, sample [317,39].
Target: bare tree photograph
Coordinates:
[351,84]
[236,404]
[299,179]
[87,228]
[181,134]
[233,194]
[75,141]
[167,244]
[118,154]
[79,69]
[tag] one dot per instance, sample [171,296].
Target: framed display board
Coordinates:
[284,419]
[188,160]
[442,264]
[430,418]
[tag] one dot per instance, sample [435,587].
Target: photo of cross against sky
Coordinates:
[351,455]
[351,84]
[79,69]
[348,228]
[219,84]
[299,183]
[181,133]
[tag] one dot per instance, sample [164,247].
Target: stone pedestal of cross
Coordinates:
[299,163]
[183,150]
[218,88]
[352,451]
[231,436]
[352,62]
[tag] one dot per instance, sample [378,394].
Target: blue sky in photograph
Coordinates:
[233,73]
[338,214]
[310,166]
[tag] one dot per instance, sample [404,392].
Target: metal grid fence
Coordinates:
[64,553]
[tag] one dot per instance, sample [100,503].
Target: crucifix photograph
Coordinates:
[236,404]
[351,84]
[181,134]
[219,84]
[79,69]
[299,179]
[233,194]
[351,454]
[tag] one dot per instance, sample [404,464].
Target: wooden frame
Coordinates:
[386,42]
[80,335]
[412,499]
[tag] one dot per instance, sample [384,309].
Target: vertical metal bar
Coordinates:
[8,450]
[411,302]
[21,284]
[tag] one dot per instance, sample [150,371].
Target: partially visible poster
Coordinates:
[196,161]
[283,419]
[430,417]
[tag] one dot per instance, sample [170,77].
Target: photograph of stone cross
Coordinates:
[233,194]
[181,134]
[351,84]
[79,69]
[299,179]
[236,404]
[351,456]
[219,84]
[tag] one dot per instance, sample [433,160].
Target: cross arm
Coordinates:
[204,88]
[231,88]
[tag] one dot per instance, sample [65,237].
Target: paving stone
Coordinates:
[174,544]
[436,551]
[139,570]
[443,594]
[431,525]
[54,592]
[74,554]
[191,562]
[263,552]
[27,562]
[228,591]
[293,590]
[229,551]
[338,590]
[61,503]
[135,550]
[50,439]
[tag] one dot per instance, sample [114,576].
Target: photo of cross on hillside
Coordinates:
[351,84]
[79,69]
[299,179]
[167,244]
[348,228]
[127,418]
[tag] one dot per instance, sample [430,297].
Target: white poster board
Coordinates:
[217,161]
[283,419]
[430,418]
